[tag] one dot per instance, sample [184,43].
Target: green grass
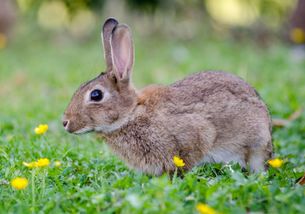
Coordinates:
[37,79]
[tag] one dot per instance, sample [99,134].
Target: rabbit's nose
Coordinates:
[65,123]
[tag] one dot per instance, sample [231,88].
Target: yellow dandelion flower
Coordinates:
[19,183]
[297,35]
[42,162]
[205,209]
[41,129]
[57,163]
[276,163]
[178,161]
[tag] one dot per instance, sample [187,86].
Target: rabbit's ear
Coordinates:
[122,51]
[108,27]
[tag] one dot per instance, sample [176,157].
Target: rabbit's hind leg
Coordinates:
[256,160]
[257,157]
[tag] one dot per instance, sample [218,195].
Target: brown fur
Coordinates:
[206,117]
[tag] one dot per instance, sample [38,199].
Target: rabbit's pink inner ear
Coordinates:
[122,51]
[108,27]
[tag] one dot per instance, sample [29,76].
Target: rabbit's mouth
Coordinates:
[83,131]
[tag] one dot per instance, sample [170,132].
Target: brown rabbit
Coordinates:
[206,117]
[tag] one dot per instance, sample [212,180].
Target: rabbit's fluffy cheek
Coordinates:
[103,116]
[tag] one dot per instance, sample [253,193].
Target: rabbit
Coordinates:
[209,116]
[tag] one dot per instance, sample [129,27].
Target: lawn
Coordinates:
[37,79]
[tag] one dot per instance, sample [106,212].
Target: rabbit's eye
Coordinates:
[96,95]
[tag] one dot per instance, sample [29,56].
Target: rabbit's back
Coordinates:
[215,94]
[204,85]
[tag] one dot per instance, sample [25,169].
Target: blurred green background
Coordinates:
[182,19]
[48,48]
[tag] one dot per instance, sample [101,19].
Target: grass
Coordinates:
[37,79]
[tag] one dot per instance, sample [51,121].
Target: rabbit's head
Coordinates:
[105,103]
